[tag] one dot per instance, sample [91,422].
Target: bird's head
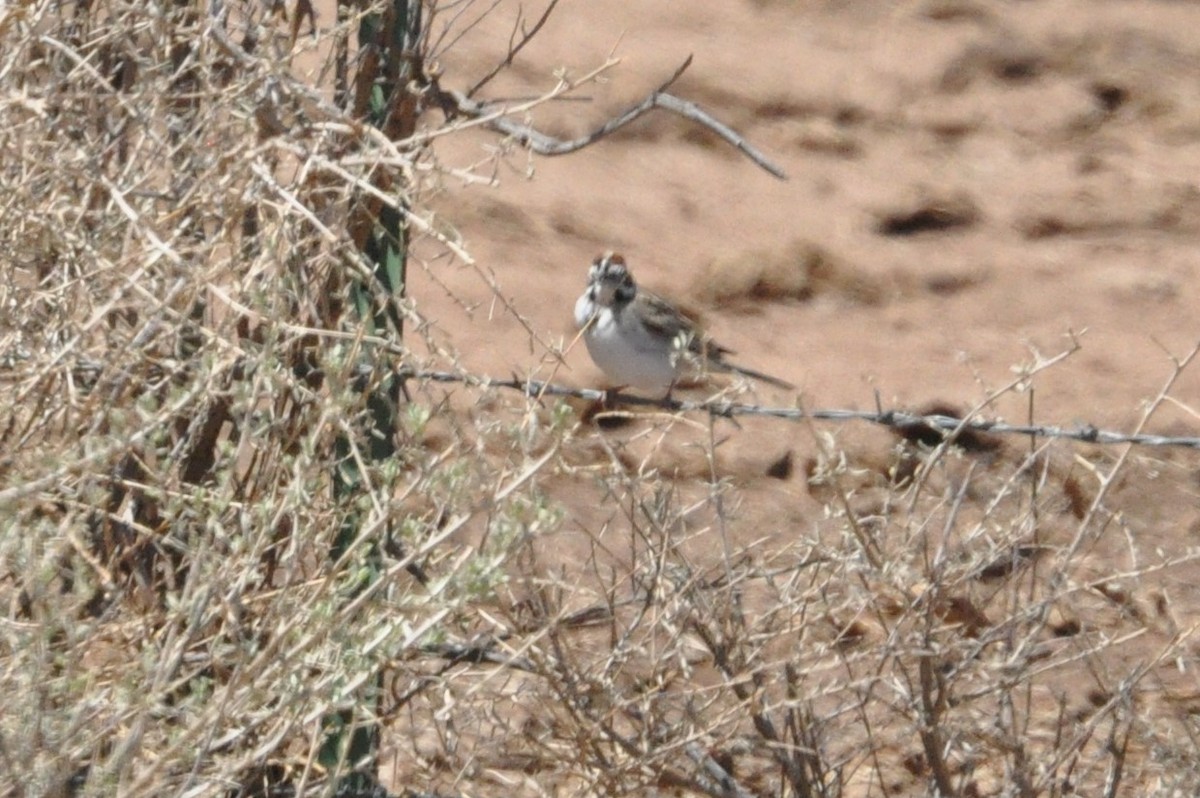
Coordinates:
[609,280]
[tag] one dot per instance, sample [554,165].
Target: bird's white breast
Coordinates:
[583,309]
[630,355]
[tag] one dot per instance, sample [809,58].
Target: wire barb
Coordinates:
[894,419]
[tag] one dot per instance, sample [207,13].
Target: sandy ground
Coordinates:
[1058,140]
[976,181]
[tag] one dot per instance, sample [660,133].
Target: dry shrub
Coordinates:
[951,633]
[194,596]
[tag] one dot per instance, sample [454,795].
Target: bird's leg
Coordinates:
[670,397]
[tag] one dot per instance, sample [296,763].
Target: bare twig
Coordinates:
[933,699]
[544,144]
[725,784]
[477,653]
[514,47]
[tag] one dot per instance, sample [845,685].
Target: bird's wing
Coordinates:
[663,317]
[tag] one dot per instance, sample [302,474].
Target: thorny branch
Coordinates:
[895,419]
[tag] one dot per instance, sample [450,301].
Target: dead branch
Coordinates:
[543,144]
[483,652]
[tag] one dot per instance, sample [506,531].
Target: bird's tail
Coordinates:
[758,375]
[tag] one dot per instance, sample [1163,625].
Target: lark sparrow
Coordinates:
[640,340]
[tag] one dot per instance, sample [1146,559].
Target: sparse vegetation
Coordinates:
[232,526]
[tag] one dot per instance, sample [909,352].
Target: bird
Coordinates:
[641,340]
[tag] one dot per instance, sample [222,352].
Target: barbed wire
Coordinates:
[902,421]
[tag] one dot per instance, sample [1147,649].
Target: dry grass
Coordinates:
[185,376]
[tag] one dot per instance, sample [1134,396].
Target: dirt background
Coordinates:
[1058,141]
[969,184]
